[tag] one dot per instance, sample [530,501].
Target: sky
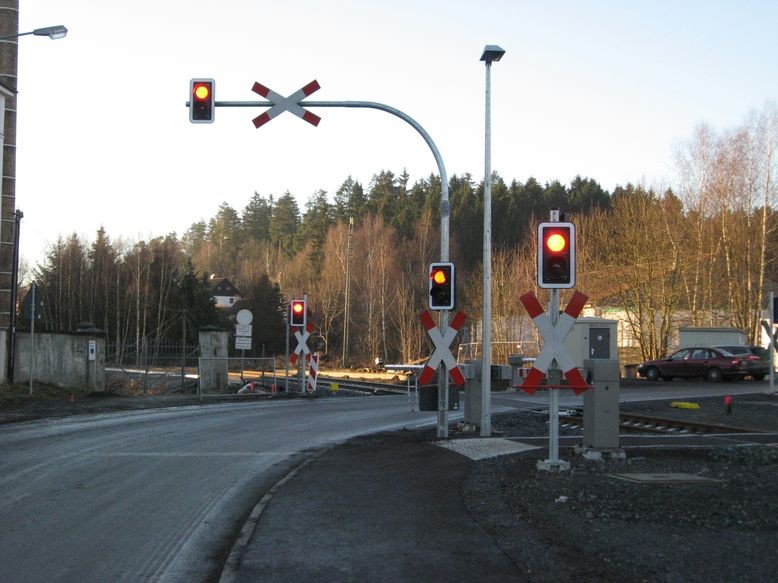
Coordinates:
[603,89]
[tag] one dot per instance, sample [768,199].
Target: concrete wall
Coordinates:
[3,356]
[62,360]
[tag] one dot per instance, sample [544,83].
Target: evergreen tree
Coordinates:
[268,308]
[285,224]
[193,297]
[224,238]
[350,201]
[195,238]
[586,194]
[257,215]
[316,223]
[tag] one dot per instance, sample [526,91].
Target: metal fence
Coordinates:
[170,368]
[151,368]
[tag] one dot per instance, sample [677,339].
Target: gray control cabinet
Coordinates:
[601,405]
[592,338]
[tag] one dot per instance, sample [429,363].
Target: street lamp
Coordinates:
[53,32]
[492,53]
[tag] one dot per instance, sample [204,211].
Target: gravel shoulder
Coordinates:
[585,524]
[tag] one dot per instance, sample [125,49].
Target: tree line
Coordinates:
[701,253]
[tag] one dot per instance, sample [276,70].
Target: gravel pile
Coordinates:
[587,524]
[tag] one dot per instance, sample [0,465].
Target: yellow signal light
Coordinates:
[556,242]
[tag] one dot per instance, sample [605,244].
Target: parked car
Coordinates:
[713,364]
[756,359]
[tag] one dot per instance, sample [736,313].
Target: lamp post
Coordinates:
[492,53]
[9,26]
[53,32]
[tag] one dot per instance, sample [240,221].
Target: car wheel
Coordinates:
[714,375]
[652,373]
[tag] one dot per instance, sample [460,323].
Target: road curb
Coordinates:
[232,565]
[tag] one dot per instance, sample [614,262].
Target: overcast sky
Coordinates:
[605,89]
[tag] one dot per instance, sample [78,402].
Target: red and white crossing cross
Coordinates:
[302,343]
[282,104]
[553,342]
[313,373]
[442,353]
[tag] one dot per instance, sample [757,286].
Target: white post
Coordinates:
[302,352]
[486,327]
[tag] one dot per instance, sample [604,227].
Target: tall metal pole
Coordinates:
[302,354]
[771,334]
[32,336]
[286,360]
[347,307]
[183,350]
[486,353]
[14,291]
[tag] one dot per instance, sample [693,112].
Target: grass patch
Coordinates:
[15,396]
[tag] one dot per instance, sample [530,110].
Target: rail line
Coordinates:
[634,423]
[361,387]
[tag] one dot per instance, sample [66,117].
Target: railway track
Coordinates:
[634,423]
[360,386]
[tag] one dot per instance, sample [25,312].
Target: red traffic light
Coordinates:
[441,286]
[201,100]
[202,91]
[297,311]
[556,255]
[556,242]
[439,276]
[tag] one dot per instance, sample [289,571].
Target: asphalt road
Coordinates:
[157,495]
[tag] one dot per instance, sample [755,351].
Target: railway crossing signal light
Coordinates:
[201,100]
[556,255]
[442,286]
[297,313]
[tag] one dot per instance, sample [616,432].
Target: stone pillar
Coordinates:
[213,363]
[93,349]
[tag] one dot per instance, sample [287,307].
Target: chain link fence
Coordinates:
[172,368]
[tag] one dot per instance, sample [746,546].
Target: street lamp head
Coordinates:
[492,53]
[53,32]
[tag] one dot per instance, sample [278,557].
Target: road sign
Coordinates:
[282,104]
[553,343]
[442,353]
[244,317]
[243,342]
[243,330]
[302,336]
